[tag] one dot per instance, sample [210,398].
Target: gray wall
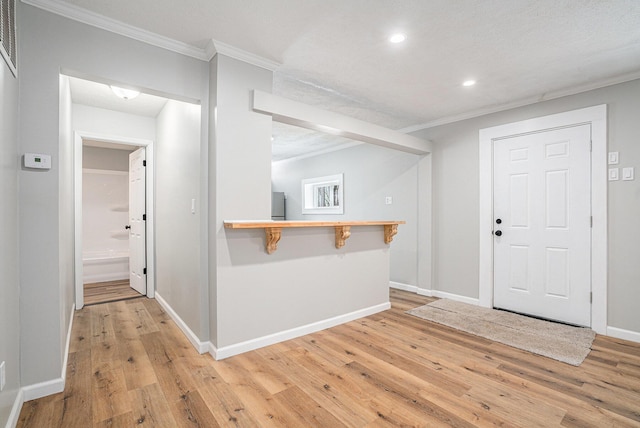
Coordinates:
[240,161]
[456,195]
[370,174]
[9,287]
[306,280]
[177,230]
[46,292]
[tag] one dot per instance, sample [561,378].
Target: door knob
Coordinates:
[498,233]
[127,227]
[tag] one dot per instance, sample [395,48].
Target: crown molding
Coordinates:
[215,47]
[95,20]
[524,102]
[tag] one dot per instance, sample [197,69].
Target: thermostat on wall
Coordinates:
[35,160]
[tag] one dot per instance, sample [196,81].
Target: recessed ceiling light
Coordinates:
[468,83]
[398,38]
[125,94]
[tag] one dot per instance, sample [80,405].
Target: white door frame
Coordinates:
[79,136]
[596,117]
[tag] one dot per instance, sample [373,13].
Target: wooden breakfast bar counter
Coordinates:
[273,229]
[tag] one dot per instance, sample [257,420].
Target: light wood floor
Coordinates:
[110,291]
[129,365]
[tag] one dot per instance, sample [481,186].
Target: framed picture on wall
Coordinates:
[323,195]
[8,34]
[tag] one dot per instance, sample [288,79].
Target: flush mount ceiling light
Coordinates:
[397,38]
[125,94]
[468,83]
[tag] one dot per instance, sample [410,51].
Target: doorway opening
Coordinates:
[113,199]
[113,260]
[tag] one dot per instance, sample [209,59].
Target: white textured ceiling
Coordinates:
[100,95]
[335,54]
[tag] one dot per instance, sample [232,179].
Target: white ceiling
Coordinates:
[334,53]
[100,95]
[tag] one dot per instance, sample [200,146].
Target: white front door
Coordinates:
[542,224]
[137,223]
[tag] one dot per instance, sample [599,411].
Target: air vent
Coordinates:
[8,32]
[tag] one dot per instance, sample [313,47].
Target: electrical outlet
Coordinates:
[3,378]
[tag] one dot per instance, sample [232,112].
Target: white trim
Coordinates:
[42,389]
[105,277]
[291,112]
[65,359]
[12,422]
[444,295]
[401,286]
[99,21]
[596,117]
[217,47]
[525,102]
[103,171]
[621,333]
[200,346]
[93,19]
[53,386]
[250,345]
[77,171]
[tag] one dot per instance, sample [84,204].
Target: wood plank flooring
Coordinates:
[109,291]
[129,365]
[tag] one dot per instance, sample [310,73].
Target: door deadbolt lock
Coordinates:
[498,221]
[127,227]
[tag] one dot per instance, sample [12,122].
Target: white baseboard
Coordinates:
[401,286]
[200,346]
[250,345]
[53,386]
[42,389]
[450,296]
[104,277]
[620,333]
[12,422]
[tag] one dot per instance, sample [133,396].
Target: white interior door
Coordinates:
[542,224]
[137,224]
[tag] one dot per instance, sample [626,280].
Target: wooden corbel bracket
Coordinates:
[390,230]
[273,235]
[342,234]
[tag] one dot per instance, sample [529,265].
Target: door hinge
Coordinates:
[590,296]
[590,145]
[144,271]
[144,163]
[591,221]
[144,217]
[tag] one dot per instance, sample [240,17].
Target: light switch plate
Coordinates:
[613,158]
[613,174]
[628,173]
[388,200]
